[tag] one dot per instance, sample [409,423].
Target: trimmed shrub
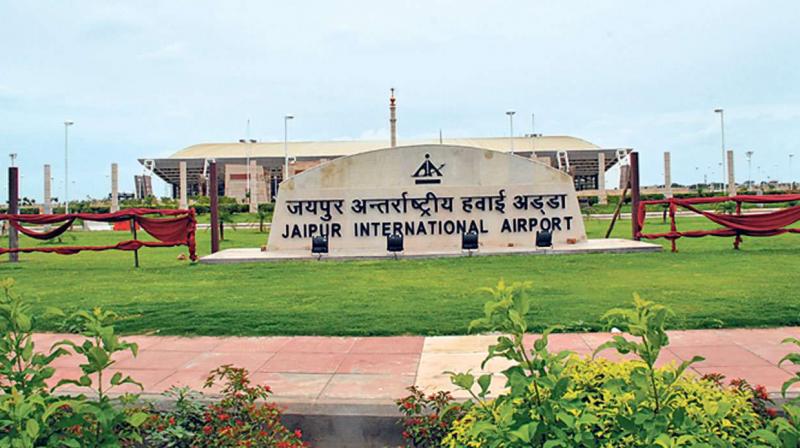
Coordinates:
[603,405]
[558,400]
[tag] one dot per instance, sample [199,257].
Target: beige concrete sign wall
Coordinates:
[429,193]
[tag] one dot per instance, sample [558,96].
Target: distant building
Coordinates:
[144,186]
[576,156]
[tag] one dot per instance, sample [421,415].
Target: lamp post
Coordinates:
[248,142]
[791,173]
[533,124]
[67,124]
[760,179]
[749,155]
[286,119]
[721,113]
[511,128]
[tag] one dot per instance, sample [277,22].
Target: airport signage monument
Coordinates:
[430,194]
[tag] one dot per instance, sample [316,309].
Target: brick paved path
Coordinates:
[323,370]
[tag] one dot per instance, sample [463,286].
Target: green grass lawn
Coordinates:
[707,284]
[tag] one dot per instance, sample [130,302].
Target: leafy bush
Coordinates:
[31,415]
[180,426]
[604,404]
[784,432]
[242,417]
[559,400]
[427,418]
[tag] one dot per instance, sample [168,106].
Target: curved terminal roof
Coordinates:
[331,149]
[583,155]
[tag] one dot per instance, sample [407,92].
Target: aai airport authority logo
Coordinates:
[428,173]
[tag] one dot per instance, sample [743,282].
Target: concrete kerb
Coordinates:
[254,255]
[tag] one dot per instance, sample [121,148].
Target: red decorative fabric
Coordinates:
[166,229]
[121,215]
[753,224]
[52,233]
[178,229]
[70,250]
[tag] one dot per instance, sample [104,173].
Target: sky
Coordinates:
[147,78]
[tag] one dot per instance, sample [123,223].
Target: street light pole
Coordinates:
[247,160]
[749,155]
[721,113]
[67,124]
[248,189]
[286,119]
[511,128]
[791,173]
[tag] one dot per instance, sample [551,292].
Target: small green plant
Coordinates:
[646,322]
[726,207]
[262,217]
[106,421]
[21,367]
[177,427]
[29,415]
[225,217]
[536,378]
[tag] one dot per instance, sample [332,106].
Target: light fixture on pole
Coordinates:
[749,155]
[286,119]
[13,157]
[721,113]
[67,124]
[511,128]
[791,174]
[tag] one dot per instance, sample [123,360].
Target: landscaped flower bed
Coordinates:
[562,400]
[32,414]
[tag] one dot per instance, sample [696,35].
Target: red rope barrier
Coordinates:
[176,228]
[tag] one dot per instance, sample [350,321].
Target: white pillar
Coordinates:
[731,176]
[667,175]
[48,200]
[624,176]
[268,181]
[602,197]
[253,187]
[183,202]
[114,188]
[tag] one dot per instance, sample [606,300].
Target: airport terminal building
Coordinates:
[584,161]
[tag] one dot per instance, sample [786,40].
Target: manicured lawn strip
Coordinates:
[707,284]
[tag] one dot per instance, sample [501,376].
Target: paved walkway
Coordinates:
[329,370]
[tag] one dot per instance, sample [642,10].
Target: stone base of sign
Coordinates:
[253,255]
